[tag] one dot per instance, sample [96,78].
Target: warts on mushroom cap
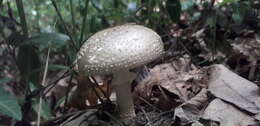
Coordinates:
[113,49]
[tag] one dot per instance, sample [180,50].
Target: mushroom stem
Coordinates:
[122,85]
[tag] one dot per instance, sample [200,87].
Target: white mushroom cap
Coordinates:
[118,48]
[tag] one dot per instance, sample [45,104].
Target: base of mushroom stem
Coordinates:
[125,101]
[122,84]
[127,120]
[127,115]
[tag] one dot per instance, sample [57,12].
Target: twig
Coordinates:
[77,115]
[252,70]
[141,7]
[96,92]
[64,25]
[19,4]
[212,4]
[10,14]
[186,50]
[145,101]
[67,93]
[84,21]
[61,118]
[100,11]
[37,4]
[51,85]
[114,118]
[159,117]
[54,83]
[73,19]
[43,83]
[103,92]
[147,118]
[164,94]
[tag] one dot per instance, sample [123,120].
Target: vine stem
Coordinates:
[43,83]
[19,4]
[73,20]
[64,25]
[84,21]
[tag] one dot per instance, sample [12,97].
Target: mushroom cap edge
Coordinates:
[118,48]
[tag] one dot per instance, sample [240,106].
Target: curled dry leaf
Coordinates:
[183,84]
[190,111]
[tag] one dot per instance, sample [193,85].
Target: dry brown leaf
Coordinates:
[227,115]
[183,84]
[248,46]
[190,111]
[230,87]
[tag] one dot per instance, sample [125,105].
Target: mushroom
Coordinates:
[116,50]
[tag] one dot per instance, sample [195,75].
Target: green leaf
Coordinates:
[46,40]
[60,101]
[50,67]
[227,1]
[240,10]
[174,9]
[97,4]
[28,61]
[195,16]
[57,67]
[45,111]
[9,105]
[222,19]
[211,21]
[95,24]
[186,4]
[5,80]
[32,86]
[237,18]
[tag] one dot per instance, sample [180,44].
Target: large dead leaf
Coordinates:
[183,82]
[232,88]
[190,111]
[226,114]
